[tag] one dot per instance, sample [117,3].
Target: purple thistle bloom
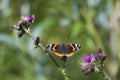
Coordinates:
[23,26]
[90,63]
[31,18]
[88,58]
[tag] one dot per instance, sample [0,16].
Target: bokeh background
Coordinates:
[91,23]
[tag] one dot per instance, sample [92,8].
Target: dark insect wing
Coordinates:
[74,47]
[63,49]
[51,47]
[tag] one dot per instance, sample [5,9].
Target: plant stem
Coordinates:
[63,71]
[102,71]
[105,75]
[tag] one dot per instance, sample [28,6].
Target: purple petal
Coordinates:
[88,58]
[31,18]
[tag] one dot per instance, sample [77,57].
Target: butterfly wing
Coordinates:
[54,48]
[73,47]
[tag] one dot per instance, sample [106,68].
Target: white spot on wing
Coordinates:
[49,47]
[77,46]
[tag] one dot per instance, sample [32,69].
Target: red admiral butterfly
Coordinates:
[63,50]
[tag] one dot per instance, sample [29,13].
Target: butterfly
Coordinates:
[63,50]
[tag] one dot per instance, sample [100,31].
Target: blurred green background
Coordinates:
[91,23]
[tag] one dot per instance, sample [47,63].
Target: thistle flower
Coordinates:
[23,25]
[90,64]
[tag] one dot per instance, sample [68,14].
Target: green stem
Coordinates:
[105,75]
[102,71]
[64,73]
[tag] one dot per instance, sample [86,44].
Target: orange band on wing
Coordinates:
[53,48]
[58,54]
[61,55]
[69,54]
[73,48]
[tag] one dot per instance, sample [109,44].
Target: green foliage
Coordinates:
[90,23]
[76,28]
